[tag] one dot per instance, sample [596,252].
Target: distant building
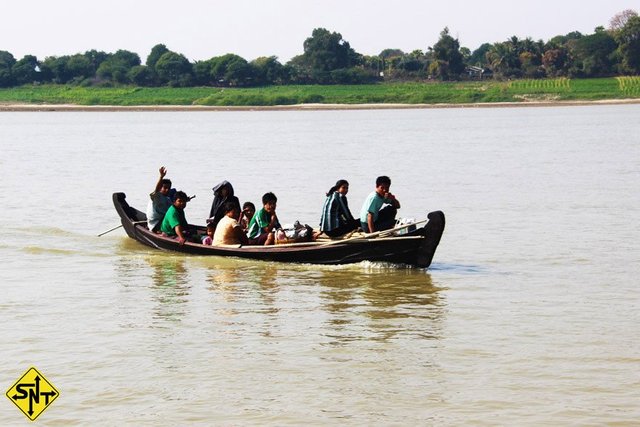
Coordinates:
[477,72]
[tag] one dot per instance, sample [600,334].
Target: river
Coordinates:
[528,315]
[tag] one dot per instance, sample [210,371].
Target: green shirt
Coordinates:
[372,205]
[172,219]
[258,223]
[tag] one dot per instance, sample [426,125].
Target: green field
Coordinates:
[560,89]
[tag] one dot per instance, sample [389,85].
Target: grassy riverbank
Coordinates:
[561,89]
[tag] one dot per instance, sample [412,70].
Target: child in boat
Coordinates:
[263,223]
[228,231]
[248,210]
[336,219]
[160,201]
[379,209]
[175,223]
[208,238]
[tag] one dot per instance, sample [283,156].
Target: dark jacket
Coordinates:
[217,206]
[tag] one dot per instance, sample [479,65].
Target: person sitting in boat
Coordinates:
[380,208]
[222,193]
[175,223]
[264,222]
[336,219]
[228,231]
[208,238]
[248,211]
[160,201]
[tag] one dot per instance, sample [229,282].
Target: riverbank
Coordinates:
[301,107]
[560,91]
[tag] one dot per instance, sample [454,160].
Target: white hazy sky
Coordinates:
[201,29]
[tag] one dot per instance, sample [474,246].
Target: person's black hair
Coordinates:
[249,205]
[383,180]
[182,195]
[210,226]
[166,182]
[229,206]
[336,187]
[269,197]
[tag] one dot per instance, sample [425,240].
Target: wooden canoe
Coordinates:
[416,247]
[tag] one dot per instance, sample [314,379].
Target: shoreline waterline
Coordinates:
[15,107]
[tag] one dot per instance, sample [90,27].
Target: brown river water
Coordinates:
[528,316]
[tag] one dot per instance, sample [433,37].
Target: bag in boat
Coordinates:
[295,233]
[402,222]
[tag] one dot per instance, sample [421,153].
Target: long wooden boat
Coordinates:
[415,247]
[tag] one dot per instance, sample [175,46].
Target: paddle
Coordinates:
[115,228]
[382,233]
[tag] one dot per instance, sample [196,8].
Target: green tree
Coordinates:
[174,69]
[156,52]
[448,60]
[230,70]
[54,69]
[7,62]
[239,73]
[96,57]
[628,38]
[503,60]
[556,62]
[25,71]
[390,53]
[479,56]
[79,67]
[141,75]
[268,70]
[594,54]
[117,66]
[202,73]
[325,52]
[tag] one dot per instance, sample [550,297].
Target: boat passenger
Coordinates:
[264,222]
[175,223]
[208,238]
[228,230]
[160,201]
[380,208]
[248,211]
[222,193]
[336,219]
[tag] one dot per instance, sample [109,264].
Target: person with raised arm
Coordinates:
[160,201]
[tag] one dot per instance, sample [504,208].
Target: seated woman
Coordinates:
[222,193]
[336,219]
[228,231]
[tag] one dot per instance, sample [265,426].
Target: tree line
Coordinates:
[329,59]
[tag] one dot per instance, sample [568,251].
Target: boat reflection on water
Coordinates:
[387,301]
[167,277]
[170,287]
[337,304]
[362,301]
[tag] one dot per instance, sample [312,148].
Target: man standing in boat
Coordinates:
[380,208]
